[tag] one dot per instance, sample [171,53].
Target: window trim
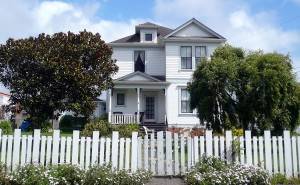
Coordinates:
[120,105]
[145,62]
[180,103]
[191,58]
[148,34]
[200,57]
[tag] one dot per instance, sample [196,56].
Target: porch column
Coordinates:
[166,105]
[109,110]
[138,105]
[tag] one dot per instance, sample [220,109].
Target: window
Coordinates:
[200,52]
[186,57]
[120,99]
[185,101]
[148,37]
[139,61]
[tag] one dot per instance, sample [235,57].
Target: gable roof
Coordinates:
[138,76]
[200,25]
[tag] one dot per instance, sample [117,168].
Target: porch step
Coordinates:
[156,126]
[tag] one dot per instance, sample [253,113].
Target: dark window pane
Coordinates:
[120,99]
[139,61]
[148,37]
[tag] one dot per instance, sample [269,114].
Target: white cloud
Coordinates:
[29,19]
[234,20]
[296,2]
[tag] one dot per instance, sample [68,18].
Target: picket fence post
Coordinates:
[161,155]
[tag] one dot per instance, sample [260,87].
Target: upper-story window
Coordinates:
[200,52]
[148,37]
[139,61]
[186,57]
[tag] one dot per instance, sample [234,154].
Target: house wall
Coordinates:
[192,30]
[173,59]
[174,115]
[131,102]
[155,60]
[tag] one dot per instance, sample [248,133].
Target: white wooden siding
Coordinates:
[192,30]
[131,102]
[143,32]
[155,60]
[173,59]
[174,117]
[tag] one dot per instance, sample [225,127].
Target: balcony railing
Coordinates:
[123,118]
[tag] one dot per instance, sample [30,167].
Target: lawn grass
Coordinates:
[64,134]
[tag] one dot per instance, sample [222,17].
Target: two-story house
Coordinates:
[155,64]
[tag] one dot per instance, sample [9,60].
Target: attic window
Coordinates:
[148,37]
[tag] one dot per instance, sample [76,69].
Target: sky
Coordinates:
[269,25]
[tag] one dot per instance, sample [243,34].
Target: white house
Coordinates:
[4,100]
[155,64]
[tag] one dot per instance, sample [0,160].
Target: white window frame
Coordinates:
[180,51]
[124,105]
[201,55]
[180,103]
[146,37]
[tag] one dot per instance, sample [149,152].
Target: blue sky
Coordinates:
[270,25]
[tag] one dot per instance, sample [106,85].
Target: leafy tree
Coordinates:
[249,90]
[63,71]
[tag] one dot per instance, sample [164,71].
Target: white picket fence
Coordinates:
[165,155]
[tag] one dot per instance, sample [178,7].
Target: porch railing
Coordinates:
[123,118]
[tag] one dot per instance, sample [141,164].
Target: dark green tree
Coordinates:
[249,90]
[63,71]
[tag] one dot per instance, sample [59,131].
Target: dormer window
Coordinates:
[148,37]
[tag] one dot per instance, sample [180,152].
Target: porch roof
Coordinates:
[142,80]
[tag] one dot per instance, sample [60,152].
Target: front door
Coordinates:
[150,109]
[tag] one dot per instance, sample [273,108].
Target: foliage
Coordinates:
[125,130]
[249,90]
[104,117]
[106,129]
[282,179]
[66,174]
[63,72]
[102,126]
[237,132]
[197,132]
[69,123]
[46,127]
[6,127]
[213,170]
[99,175]
[32,175]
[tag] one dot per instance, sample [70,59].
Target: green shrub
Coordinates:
[104,117]
[106,129]
[68,123]
[100,175]
[67,174]
[102,126]
[46,127]
[125,130]
[213,170]
[31,175]
[282,179]
[6,127]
